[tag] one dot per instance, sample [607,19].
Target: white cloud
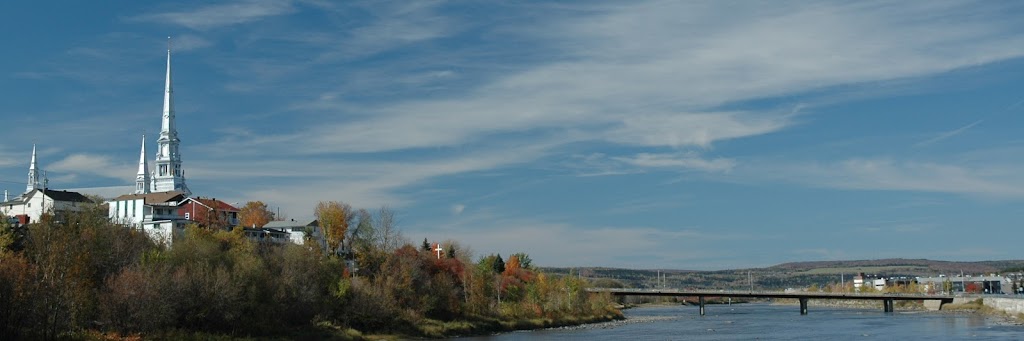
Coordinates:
[683,161]
[188,42]
[984,180]
[297,189]
[457,209]
[91,164]
[653,73]
[213,16]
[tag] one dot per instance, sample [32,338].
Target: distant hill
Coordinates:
[787,275]
[900,266]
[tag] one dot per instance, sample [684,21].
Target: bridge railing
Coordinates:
[711,292]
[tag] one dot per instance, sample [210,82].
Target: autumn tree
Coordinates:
[511,266]
[524,260]
[254,213]
[333,218]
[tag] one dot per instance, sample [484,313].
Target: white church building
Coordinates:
[30,206]
[153,207]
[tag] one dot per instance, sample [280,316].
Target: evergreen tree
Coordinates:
[499,264]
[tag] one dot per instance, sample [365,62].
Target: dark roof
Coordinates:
[66,196]
[158,197]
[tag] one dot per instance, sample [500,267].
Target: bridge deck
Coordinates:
[803,297]
[770,294]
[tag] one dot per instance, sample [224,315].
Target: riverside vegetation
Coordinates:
[80,276]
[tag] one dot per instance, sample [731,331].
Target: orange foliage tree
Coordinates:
[254,213]
[333,218]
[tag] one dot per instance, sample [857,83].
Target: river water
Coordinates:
[779,322]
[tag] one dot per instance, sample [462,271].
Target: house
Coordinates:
[154,213]
[29,207]
[297,231]
[263,234]
[991,284]
[209,211]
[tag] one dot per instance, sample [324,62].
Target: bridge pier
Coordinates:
[803,306]
[700,299]
[887,305]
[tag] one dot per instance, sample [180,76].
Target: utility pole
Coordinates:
[750,280]
[963,286]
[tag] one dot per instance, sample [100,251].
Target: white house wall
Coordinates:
[128,212]
[36,204]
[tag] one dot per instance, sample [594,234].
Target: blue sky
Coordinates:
[643,134]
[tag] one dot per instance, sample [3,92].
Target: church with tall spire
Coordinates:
[33,173]
[168,174]
[38,198]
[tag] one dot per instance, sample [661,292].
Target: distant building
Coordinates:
[29,207]
[38,199]
[297,232]
[879,283]
[991,284]
[209,211]
[858,281]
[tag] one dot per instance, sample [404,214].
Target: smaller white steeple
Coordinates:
[142,178]
[33,173]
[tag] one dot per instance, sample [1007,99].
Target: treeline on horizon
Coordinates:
[82,275]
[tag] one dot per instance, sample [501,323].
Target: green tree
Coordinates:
[524,260]
[499,264]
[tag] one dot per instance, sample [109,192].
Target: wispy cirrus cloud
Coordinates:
[631,78]
[650,75]
[219,15]
[947,134]
[993,180]
[683,161]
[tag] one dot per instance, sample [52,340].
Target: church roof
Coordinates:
[66,196]
[152,198]
[54,195]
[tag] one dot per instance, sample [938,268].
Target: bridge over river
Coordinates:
[803,297]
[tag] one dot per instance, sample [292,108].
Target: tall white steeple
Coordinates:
[33,173]
[142,180]
[169,174]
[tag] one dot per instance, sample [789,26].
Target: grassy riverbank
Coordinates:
[427,328]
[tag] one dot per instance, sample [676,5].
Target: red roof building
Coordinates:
[209,211]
